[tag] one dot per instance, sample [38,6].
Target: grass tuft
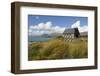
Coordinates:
[58,49]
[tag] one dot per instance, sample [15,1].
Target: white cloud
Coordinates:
[42,28]
[81,28]
[48,28]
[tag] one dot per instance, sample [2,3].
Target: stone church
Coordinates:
[71,33]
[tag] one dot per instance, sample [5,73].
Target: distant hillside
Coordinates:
[46,35]
[84,34]
[56,34]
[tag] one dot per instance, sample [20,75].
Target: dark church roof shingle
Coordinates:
[70,31]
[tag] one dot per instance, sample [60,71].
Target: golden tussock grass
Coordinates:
[58,49]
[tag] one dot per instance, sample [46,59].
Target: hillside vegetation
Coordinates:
[58,49]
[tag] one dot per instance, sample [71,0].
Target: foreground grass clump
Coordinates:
[58,49]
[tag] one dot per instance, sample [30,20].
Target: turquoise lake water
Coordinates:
[38,39]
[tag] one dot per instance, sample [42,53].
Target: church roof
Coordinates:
[70,31]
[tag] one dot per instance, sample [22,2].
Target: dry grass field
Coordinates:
[58,49]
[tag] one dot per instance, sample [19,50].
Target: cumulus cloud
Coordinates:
[45,28]
[49,28]
[81,28]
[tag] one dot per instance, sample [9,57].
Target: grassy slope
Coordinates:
[58,49]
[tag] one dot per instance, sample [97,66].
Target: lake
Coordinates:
[38,39]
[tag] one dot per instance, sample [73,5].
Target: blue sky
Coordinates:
[63,21]
[40,24]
